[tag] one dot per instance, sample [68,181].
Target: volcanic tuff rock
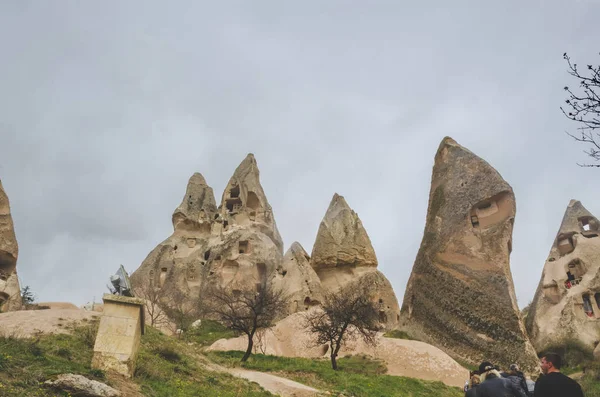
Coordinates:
[567,301]
[10,292]
[236,243]
[460,295]
[343,253]
[298,279]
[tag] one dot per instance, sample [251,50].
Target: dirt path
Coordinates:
[275,384]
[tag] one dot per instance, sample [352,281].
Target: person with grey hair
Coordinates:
[494,385]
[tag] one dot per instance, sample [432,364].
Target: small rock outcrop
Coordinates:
[566,304]
[460,295]
[80,386]
[298,279]
[235,243]
[343,253]
[10,292]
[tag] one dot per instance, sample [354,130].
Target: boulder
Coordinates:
[10,291]
[343,253]
[460,296]
[80,386]
[566,304]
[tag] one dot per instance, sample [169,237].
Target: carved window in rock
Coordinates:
[163,276]
[597,299]
[252,215]
[207,255]
[587,305]
[565,244]
[576,268]
[382,317]
[589,226]
[244,247]
[234,192]
[491,211]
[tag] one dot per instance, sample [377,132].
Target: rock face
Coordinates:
[343,253]
[78,385]
[236,243]
[10,292]
[567,301]
[460,295]
[299,280]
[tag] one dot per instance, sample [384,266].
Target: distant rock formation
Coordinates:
[10,292]
[343,253]
[460,295]
[238,242]
[566,304]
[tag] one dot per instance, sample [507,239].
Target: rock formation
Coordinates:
[300,282]
[236,243]
[566,304]
[460,295]
[343,253]
[10,292]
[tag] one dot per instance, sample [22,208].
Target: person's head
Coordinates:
[485,366]
[487,370]
[513,369]
[550,362]
[474,381]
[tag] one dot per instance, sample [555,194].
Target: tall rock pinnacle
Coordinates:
[198,207]
[343,253]
[10,292]
[460,295]
[566,304]
[244,201]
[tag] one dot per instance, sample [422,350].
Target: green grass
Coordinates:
[207,333]
[397,334]
[357,375]
[166,367]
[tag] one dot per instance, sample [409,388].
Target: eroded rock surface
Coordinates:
[343,253]
[78,385]
[235,243]
[10,292]
[460,295]
[567,300]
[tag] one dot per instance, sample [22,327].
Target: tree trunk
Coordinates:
[333,362]
[249,349]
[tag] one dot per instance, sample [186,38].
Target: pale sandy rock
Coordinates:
[567,300]
[460,295]
[79,385]
[10,291]
[343,253]
[300,282]
[289,338]
[29,323]
[58,305]
[236,243]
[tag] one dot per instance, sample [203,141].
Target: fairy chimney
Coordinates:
[460,296]
[10,292]
[566,304]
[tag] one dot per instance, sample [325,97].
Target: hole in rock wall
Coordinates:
[380,300]
[3,298]
[234,192]
[253,215]
[225,224]
[597,298]
[509,246]
[565,244]
[218,258]
[397,318]
[175,248]
[492,211]
[207,255]
[587,305]
[576,268]
[202,214]
[163,276]
[252,201]
[589,226]
[243,247]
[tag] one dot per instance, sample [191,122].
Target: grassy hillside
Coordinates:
[164,368]
[358,376]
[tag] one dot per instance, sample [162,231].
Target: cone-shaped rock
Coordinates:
[10,292]
[244,202]
[299,280]
[343,253]
[236,244]
[460,295]
[566,304]
[198,207]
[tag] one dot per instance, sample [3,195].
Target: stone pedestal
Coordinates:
[119,333]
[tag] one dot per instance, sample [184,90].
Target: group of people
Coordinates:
[488,381]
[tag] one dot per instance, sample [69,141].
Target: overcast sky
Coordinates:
[107,108]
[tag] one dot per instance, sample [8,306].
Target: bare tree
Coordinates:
[583,106]
[346,315]
[154,312]
[182,310]
[247,309]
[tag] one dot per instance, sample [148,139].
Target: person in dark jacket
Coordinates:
[472,389]
[494,385]
[553,383]
[517,378]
